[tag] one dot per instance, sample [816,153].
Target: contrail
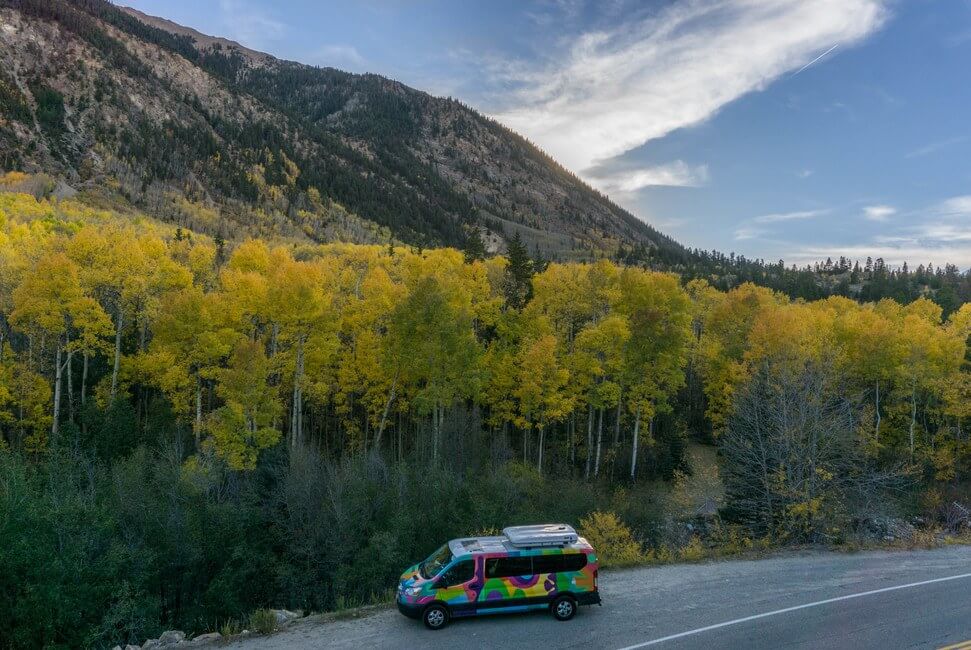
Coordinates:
[816,59]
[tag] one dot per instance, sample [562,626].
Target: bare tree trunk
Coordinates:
[613,460]
[586,473]
[400,451]
[384,415]
[198,427]
[600,436]
[296,421]
[119,325]
[57,393]
[617,422]
[573,440]
[437,424]
[539,462]
[84,380]
[84,389]
[633,445]
[525,447]
[70,387]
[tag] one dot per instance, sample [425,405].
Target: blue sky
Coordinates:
[793,129]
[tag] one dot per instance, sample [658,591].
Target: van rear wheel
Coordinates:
[564,608]
[435,617]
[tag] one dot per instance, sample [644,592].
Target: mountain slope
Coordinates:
[211,135]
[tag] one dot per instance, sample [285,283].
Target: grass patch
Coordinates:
[263,621]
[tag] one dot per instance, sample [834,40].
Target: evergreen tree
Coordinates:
[474,248]
[519,274]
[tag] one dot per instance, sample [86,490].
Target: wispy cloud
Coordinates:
[894,255]
[788,216]
[938,233]
[956,206]
[934,147]
[345,57]
[674,174]
[748,232]
[614,90]
[250,26]
[804,173]
[879,212]
[757,227]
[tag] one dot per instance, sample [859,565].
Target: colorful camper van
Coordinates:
[525,568]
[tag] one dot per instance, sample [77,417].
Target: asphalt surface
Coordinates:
[901,599]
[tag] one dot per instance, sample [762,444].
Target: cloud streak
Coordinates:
[938,233]
[674,174]
[879,212]
[338,56]
[934,147]
[788,216]
[250,27]
[614,90]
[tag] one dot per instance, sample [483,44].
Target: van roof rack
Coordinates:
[541,535]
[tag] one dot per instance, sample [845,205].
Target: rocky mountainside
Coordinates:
[211,135]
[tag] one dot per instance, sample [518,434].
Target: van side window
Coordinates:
[504,567]
[461,572]
[559,563]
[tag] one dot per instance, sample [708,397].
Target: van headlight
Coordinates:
[412,591]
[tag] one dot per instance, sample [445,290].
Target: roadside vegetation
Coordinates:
[195,430]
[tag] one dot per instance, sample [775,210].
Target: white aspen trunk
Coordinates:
[913,417]
[573,435]
[70,386]
[539,461]
[300,399]
[84,388]
[399,437]
[633,452]
[384,415]
[84,380]
[57,392]
[600,437]
[198,428]
[614,445]
[586,473]
[119,324]
[435,431]
[525,447]
[296,422]
[617,422]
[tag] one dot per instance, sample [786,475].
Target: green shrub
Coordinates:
[262,621]
[231,627]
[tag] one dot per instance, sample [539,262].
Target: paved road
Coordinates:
[919,599]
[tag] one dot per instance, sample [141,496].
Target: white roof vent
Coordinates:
[540,535]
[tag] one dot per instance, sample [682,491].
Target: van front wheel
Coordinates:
[435,617]
[564,608]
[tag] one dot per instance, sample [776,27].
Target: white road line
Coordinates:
[791,609]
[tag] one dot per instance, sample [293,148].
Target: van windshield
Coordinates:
[435,563]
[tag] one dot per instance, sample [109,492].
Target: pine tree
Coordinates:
[519,274]
[474,247]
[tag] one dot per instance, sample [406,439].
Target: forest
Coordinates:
[193,429]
